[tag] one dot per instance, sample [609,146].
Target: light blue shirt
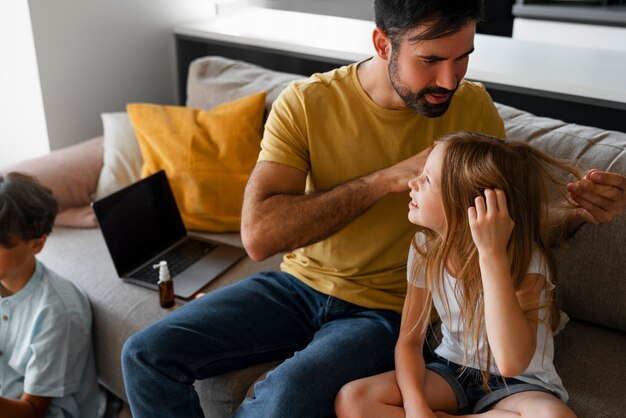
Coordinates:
[45,345]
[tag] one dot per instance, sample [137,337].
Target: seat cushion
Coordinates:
[220,396]
[591,361]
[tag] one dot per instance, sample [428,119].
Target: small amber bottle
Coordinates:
[166,285]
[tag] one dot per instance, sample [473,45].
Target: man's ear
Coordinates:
[382,43]
[37,244]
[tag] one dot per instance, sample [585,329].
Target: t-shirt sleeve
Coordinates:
[60,349]
[492,121]
[539,265]
[285,138]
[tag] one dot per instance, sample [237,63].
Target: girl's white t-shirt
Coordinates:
[541,369]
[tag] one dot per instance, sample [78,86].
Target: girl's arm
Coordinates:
[510,332]
[410,367]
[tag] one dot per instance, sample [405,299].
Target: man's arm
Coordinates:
[28,406]
[279,216]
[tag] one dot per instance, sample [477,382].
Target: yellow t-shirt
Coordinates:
[328,127]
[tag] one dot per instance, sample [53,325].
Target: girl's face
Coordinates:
[426,205]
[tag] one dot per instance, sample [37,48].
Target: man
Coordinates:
[330,186]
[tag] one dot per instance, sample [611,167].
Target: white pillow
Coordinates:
[122,156]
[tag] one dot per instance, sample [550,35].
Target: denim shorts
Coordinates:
[468,386]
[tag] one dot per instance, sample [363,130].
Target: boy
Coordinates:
[47,367]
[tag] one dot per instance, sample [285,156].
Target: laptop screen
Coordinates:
[139,221]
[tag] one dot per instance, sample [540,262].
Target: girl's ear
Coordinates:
[382,43]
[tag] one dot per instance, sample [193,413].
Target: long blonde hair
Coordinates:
[471,163]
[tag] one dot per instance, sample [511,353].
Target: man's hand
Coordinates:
[601,196]
[398,175]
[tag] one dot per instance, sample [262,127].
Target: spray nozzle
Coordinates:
[164,271]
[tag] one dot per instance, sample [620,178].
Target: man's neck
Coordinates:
[374,78]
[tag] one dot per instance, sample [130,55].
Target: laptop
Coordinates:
[141,226]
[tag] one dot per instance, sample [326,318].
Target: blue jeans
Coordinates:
[272,315]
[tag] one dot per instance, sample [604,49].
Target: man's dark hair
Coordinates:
[27,209]
[446,17]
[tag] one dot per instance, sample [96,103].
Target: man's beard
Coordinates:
[417,101]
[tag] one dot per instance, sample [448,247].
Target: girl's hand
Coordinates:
[490,223]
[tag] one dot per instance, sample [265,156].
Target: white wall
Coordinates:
[97,55]
[22,120]
[63,62]
[92,56]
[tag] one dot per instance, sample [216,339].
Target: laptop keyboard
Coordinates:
[178,259]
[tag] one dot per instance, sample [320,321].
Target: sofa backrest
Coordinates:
[592,264]
[215,80]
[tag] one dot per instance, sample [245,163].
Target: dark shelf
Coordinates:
[597,14]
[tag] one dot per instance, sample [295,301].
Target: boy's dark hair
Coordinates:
[447,17]
[27,209]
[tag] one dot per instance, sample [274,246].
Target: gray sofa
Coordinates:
[591,351]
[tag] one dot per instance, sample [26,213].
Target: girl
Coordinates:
[480,258]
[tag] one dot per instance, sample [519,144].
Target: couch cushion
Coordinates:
[122,159]
[207,155]
[215,80]
[221,395]
[120,309]
[592,264]
[592,147]
[592,365]
[72,175]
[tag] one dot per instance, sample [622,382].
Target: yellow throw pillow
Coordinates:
[207,156]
